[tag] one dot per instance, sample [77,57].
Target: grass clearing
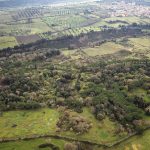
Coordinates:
[32,144]
[140,44]
[68,52]
[106,48]
[42,121]
[7,41]
[140,142]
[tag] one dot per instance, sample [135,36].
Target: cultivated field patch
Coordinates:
[7,41]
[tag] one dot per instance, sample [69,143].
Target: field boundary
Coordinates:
[109,145]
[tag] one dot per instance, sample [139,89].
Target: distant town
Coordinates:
[123,9]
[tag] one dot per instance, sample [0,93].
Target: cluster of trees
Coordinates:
[14,90]
[65,91]
[73,122]
[49,145]
[117,21]
[107,92]
[77,146]
[31,47]
[49,54]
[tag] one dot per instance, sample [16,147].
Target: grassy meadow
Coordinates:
[51,24]
[140,44]
[24,28]
[106,48]
[28,123]
[140,142]
[32,144]
[7,41]
[43,121]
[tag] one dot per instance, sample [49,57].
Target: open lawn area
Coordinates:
[43,121]
[140,44]
[140,142]
[7,41]
[32,144]
[106,48]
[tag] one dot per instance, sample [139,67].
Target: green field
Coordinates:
[24,28]
[63,21]
[60,23]
[7,41]
[140,142]
[32,144]
[135,143]
[140,44]
[129,20]
[43,121]
[106,48]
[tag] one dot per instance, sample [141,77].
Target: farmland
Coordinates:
[49,23]
[7,41]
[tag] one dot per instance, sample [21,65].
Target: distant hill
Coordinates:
[22,3]
[16,3]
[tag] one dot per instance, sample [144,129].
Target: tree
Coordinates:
[29,20]
[147,110]
[70,146]
[77,86]
[100,116]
